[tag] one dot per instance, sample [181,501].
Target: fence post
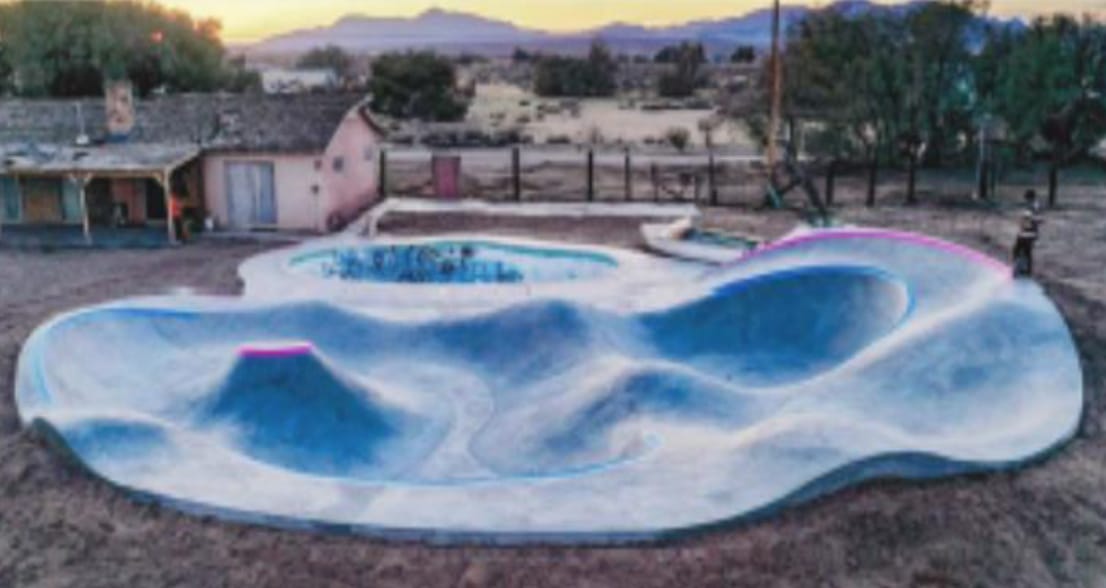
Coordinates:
[712,184]
[656,186]
[591,175]
[628,177]
[516,173]
[382,177]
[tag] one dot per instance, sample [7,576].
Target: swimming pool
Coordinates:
[458,273]
[454,262]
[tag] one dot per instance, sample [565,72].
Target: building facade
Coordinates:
[246,162]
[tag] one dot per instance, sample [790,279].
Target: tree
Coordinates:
[678,137]
[71,48]
[330,57]
[743,54]
[242,80]
[885,85]
[707,127]
[7,84]
[840,77]
[420,85]
[1051,89]
[939,103]
[684,78]
[520,55]
[570,76]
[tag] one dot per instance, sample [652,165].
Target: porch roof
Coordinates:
[124,159]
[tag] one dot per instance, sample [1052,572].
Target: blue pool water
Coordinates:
[720,239]
[455,262]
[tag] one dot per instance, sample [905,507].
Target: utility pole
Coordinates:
[777,90]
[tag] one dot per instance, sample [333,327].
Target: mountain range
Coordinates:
[457,32]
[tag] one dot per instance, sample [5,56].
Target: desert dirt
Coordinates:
[607,119]
[1041,526]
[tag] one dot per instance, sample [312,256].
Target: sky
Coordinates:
[251,20]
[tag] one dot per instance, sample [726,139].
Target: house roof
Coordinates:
[296,123]
[122,159]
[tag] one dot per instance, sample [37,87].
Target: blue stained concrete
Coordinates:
[805,368]
[454,262]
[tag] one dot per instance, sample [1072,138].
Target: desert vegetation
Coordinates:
[70,48]
[939,85]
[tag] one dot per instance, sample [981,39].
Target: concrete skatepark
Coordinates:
[818,362]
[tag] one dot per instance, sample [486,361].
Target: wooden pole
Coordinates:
[382,176]
[591,175]
[4,205]
[656,182]
[712,184]
[163,180]
[86,225]
[627,176]
[777,90]
[516,173]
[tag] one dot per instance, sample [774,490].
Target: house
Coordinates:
[295,81]
[99,167]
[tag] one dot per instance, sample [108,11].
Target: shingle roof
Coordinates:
[231,122]
[129,158]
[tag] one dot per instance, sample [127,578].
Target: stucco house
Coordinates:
[248,162]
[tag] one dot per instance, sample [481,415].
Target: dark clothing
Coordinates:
[179,229]
[1023,256]
[1028,230]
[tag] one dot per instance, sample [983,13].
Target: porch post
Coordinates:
[163,180]
[82,184]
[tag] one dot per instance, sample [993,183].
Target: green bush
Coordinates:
[419,85]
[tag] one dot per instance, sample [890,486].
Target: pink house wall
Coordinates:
[314,192]
[350,169]
[296,185]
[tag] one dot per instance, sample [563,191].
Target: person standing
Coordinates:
[1028,230]
[176,216]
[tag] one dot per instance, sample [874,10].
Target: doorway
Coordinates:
[251,195]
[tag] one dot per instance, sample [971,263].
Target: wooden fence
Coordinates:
[589,175]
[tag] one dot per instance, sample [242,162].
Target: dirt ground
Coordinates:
[1042,526]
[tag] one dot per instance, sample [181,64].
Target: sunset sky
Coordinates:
[249,20]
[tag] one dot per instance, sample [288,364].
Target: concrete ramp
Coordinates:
[817,363]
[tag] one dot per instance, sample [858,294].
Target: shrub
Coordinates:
[678,137]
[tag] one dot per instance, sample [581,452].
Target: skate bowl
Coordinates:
[815,364]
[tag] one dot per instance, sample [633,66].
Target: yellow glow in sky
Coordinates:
[250,20]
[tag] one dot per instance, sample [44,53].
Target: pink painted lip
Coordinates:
[275,350]
[903,236]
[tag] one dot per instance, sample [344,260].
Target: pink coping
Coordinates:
[903,236]
[275,350]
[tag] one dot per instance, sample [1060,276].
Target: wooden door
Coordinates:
[42,200]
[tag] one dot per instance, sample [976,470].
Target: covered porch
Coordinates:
[104,196]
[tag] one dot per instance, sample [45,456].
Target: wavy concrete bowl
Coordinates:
[817,363]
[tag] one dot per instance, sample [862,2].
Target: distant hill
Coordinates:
[456,32]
